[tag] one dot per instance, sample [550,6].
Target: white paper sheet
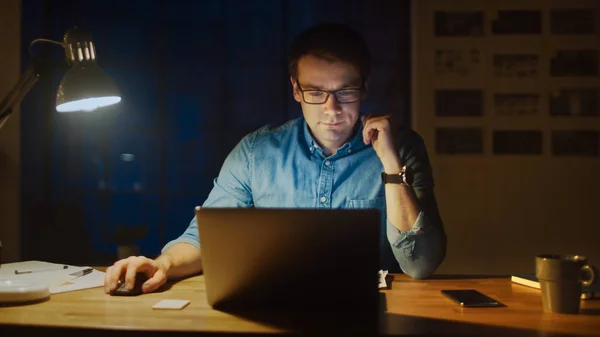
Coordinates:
[52,274]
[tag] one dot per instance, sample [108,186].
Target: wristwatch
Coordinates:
[405,177]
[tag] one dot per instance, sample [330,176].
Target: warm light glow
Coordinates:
[88,104]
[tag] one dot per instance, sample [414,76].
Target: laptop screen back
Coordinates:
[293,259]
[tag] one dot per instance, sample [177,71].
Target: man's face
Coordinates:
[332,122]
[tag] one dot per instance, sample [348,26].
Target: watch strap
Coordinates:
[393,178]
[398,178]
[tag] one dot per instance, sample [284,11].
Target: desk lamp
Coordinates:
[84,87]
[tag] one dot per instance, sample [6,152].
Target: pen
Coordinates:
[82,272]
[29,271]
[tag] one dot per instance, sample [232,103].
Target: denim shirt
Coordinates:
[283,167]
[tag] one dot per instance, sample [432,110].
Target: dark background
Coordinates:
[195,76]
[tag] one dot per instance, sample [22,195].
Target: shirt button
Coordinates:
[328,163]
[349,150]
[310,148]
[323,199]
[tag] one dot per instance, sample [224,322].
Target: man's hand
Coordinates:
[156,270]
[378,131]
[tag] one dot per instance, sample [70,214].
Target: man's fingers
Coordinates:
[128,268]
[372,125]
[374,135]
[371,129]
[113,274]
[367,126]
[158,279]
[138,264]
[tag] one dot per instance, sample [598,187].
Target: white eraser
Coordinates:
[171,304]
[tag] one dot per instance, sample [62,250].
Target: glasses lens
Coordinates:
[348,95]
[315,96]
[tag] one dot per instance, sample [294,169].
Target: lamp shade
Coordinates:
[84,87]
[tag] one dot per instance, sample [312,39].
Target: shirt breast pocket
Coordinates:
[377,203]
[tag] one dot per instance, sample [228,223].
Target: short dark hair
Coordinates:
[332,42]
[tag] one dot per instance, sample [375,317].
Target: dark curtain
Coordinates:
[195,76]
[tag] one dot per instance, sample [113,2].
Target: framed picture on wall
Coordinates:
[574,102]
[458,103]
[575,142]
[516,104]
[458,23]
[519,142]
[578,21]
[575,63]
[516,65]
[517,22]
[460,62]
[459,140]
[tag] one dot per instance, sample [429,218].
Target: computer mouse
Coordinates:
[121,290]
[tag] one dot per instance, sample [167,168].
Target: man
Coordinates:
[332,157]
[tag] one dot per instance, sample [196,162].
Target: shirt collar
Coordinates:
[355,144]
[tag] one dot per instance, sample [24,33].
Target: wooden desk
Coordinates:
[414,307]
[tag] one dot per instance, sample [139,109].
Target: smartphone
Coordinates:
[471,298]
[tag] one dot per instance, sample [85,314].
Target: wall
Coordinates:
[501,209]
[10,26]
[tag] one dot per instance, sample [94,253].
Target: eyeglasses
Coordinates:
[347,95]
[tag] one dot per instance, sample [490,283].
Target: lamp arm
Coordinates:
[18,92]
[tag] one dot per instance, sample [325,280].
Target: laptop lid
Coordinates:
[293,259]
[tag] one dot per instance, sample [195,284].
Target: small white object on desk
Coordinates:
[17,291]
[171,304]
[382,275]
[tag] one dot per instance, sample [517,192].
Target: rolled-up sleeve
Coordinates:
[232,188]
[420,250]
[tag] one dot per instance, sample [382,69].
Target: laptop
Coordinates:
[290,259]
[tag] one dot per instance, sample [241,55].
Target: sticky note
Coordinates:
[171,304]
